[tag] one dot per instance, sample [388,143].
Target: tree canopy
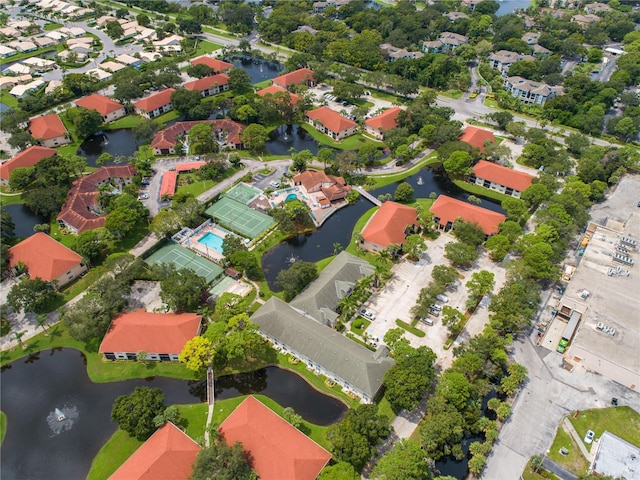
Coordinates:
[135,413]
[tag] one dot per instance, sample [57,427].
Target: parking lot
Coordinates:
[323,94]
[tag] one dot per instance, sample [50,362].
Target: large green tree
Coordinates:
[181,289]
[404,193]
[135,413]
[222,462]
[408,381]
[32,295]
[405,461]
[295,278]
[254,137]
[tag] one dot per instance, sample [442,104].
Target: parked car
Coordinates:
[588,438]
[427,320]
[442,298]
[562,346]
[436,307]
[275,184]
[143,196]
[366,314]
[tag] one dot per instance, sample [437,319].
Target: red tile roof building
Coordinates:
[161,335]
[168,454]
[79,212]
[302,76]
[447,210]
[24,159]
[49,130]
[216,65]
[275,89]
[333,188]
[376,126]
[390,224]
[477,137]
[502,179]
[170,178]
[211,85]
[47,259]
[155,105]
[108,109]
[331,123]
[227,134]
[277,450]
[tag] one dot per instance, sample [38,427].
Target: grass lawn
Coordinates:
[359,325]
[52,26]
[263,84]
[383,180]
[9,100]
[451,94]
[206,47]
[387,96]
[410,329]
[113,454]
[3,426]
[198,187]
[424,203]
[574,461]
[321,264]
[357,228]
[166,117]
[528,474]
[195,419]
[354,142]
[128,121]
[384,408]
[22,56]
[481,191]
[621,421]
[10,199]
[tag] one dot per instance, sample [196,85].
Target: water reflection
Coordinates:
[286,137]
[259,70]
[116,142]
[23,219]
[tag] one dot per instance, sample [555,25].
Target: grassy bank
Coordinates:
[354,142]
[383,180]
[3,426]
[481,191]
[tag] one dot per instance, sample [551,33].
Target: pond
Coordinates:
[318,244]
[116,142]
[35,446]
[258,69]
[3,108]
[23,218]
[286,137]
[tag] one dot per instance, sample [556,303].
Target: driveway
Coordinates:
[280,168]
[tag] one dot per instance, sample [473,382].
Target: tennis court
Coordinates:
[183,258]
[243,193]
[240,218]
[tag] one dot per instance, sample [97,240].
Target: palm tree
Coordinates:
[42,321]
[337,247]
[18,336]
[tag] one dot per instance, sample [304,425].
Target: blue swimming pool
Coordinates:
[212,241]
[291,196]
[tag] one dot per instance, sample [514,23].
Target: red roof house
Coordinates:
[504,180]
[155,105]
[227,132]
[79,211]
[24,159]
[277,450]
[216,65]
[47,259]
[333,188]
[376,126]
[331,123]
[447,210]
[108,109]
[168,454]
[476,137]
[49,130]
[161,335]
[211,85]
[388,225]
[302,76]
[170,178]
[274,89]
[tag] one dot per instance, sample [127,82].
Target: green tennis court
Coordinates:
[238,217]
[184,258]
[243,193]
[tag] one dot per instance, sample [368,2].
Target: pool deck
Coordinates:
[318,214]
[192,243]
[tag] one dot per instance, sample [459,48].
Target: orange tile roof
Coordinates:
[47,127]
[206,83]
[277,449]
[168,454]
[385,121]
[334,188]
[169,182]
[389,223]
[103,105]
[273,89]
[476,137]
[502,175]
[302,75]
[449,209]
[44,257]
[155,101]
[26,158]
[216,65]
[166,138]
[151,332]
[188,166]
[331,119]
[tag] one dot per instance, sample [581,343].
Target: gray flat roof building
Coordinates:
[616,457]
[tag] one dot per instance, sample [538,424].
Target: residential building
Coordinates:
[302,76]
[170,178]
[530,92]
[149,57]
[99,74]
[26,158]
[155,105]
[453,16]
[10,32]
[218,66]
[23,46]
[43,42]
[277,450]
[6,52]
[320,7]
[276,90]
[49,130]
[81,211]
[540,51]
[447,42]
[21,91]
[354,367]
[73,32]
[477,137]
[80,48]
[112,67]
[502,179]
[64,56]
[615,457]
[161,335]
[226,133]
[108,109]
[312,181]
[447,210]
[37,64]
[503,59]
[19,24]
[128,60]
[470,4]
[211,85]
[378,125]
[597,7]
[331,123]
[321,299]
[306,29]
[17,69]
[47,259]
[8,82]
[585,20]
[168,454]
[103,20]
[531,38]
[392,53]
[389,225]
[51,87]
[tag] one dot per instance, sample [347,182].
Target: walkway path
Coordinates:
[576,438]
[368,196]
[211,401]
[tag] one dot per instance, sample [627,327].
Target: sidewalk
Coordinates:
[572,431]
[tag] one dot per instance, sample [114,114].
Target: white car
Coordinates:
[367,314]
[588,438]
[275,184]
[442,298]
